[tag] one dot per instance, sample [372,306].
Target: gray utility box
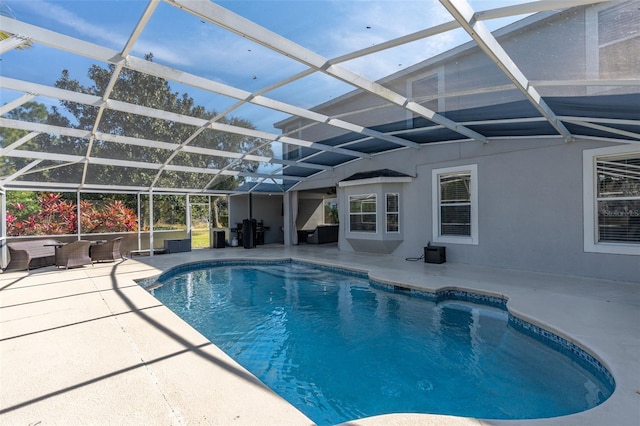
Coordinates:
[177,246]
[435,254]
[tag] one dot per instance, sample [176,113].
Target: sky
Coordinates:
[180,40]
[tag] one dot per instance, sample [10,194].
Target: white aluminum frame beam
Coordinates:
[102,54]
[81,98]
[497,13]
[607,129]
[20,172]
[226,19]
[144,19]
[283,46]
[10,106]
[13,42]
[73,159]
[18,143]
[466,16]
[38,128]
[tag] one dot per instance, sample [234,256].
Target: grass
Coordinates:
[199,238]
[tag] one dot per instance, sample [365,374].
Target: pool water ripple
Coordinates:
[340,349]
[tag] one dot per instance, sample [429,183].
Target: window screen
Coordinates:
[618,186]
[392,213]
[455,204]
[362,213]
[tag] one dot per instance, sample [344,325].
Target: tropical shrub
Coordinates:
[57,216]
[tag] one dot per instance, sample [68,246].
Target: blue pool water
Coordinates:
[339,349]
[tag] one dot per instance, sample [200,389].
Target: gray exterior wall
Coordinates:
[530,206]
[267,208]
[530,190]
[310,211]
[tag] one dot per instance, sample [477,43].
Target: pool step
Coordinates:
[293,272]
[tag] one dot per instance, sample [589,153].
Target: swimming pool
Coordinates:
[339,347]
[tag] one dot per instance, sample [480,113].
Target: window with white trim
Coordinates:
[392,212]
[455,205]
[612,200]
[362,213]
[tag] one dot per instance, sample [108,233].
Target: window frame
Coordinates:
[361,213]
[591,233]
[436,175]
[387,212]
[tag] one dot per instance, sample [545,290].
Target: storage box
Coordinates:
[177,246]
[435,254]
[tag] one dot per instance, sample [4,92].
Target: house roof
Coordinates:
[135,145]
[375,174]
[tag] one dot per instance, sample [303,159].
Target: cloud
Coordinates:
[66,18]
[61,17]
[364,24]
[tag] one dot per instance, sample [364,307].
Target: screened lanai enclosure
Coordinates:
[252,100]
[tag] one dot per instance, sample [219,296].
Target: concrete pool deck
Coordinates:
[89,346]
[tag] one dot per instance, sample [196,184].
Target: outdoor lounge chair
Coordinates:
[109,251]
[28,254]
[323,234]
[73,254]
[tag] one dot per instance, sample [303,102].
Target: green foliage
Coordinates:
[55,215]
[27,202]
[331,213]
[138,89]
[154,92]
[169,211]
[32,112]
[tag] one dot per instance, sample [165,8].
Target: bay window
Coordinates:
[392,217]
[362,213]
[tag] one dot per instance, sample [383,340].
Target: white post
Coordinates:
[290,204]
[78,213]
[188,216]
[139,224]
[150,223]
[3,229]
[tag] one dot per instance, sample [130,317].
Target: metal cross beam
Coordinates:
[226,19]
[465,15]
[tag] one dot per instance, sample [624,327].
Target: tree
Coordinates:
[154,92]
[32,112]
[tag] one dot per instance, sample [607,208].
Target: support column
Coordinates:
[290,204]
[3,230]
[188,218]
[150,223]
[139,224]
[78,212]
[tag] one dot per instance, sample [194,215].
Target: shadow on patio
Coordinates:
[89,345]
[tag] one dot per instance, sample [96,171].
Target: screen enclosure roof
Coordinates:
[202,97]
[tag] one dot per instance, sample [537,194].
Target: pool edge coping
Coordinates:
[537,325]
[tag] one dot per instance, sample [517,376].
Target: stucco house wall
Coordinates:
[530,207]
[530,190]
[265,207]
